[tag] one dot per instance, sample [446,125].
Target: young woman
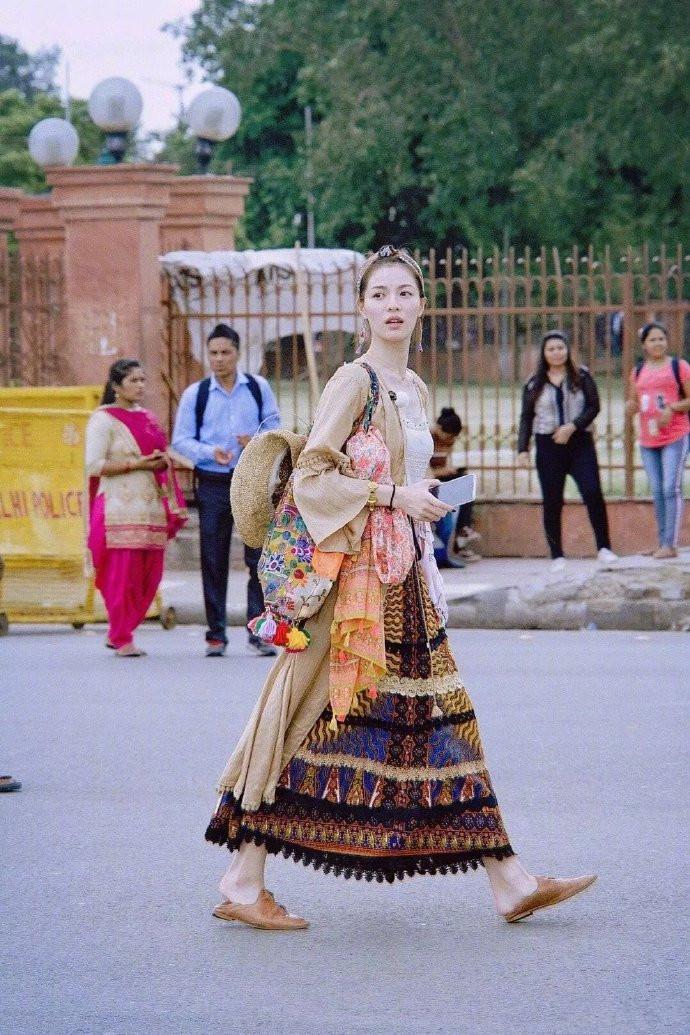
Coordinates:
[660,393]
[454,531]
[559,403]
[397,785]
[135,503]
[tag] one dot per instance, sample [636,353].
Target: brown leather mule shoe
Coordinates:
[265,914]
[550,891]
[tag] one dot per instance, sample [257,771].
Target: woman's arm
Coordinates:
[331,501]
[526,419]
[592,406]
[98,464]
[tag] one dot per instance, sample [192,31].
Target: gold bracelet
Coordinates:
[372,500]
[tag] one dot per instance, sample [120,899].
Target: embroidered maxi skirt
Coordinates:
[402,787]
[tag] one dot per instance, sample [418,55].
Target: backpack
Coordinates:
[293,590]
[675,367]
[203,394]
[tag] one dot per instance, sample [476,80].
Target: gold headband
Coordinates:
[388,252]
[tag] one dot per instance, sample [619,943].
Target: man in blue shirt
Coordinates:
[215,420]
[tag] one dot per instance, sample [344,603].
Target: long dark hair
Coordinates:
[116,375]
[542,375]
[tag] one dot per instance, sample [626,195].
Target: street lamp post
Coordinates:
[213,116]
[115,105]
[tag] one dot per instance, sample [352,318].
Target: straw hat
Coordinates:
[264,465]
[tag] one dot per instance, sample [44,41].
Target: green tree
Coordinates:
[27,73]
[452,122]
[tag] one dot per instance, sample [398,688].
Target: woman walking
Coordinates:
[390,780]
[135,503]
[560,403]
[660,393]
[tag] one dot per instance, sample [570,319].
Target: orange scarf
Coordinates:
[358,648]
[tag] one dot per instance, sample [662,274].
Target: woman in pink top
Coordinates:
[661,397]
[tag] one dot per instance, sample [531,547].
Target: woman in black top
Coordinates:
[559,403]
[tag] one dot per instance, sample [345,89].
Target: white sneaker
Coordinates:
[558,564]
[606,556]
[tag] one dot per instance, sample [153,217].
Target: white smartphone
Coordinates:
[457,491]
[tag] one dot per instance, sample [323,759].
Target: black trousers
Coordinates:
[215,534]
[579,460]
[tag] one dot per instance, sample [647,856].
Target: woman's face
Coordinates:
[555,352]
[392,303]
[444,438]
[133,387]
[655,344]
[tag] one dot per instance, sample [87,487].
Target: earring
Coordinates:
[364,337]
[417,334]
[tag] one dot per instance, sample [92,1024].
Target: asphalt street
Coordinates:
[107,883]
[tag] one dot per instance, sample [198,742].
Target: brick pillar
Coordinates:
[112,217]
[203,213]
[9,212]
[39,228]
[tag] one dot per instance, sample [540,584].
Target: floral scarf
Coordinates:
[358,649]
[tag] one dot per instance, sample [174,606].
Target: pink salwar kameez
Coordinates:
[131,517]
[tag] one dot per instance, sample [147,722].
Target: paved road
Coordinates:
[107,884]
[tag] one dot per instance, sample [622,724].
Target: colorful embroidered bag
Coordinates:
[293,590]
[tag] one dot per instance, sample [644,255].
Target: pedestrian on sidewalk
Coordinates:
[366,759]
[215,420]
[454,532]
[660,394]
[135,504]
[560,403]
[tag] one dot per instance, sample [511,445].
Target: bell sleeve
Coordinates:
[331,500]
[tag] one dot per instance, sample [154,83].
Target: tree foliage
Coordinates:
[452,122]
[27,95]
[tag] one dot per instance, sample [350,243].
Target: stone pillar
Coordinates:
[203,213]
[112,216]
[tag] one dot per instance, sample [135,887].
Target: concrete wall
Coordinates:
[513,528]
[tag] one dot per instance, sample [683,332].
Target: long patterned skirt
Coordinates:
[402,787]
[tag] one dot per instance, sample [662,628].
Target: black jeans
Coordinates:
[215,533]
[578,459]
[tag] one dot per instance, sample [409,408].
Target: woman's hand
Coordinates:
[523,459]
[416,501]
[562,435]
[664,418]
[155,461]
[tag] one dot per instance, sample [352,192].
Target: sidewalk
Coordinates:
[514,593]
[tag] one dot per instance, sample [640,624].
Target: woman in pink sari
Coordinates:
[135,503]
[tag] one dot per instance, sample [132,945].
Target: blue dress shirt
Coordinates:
[227,415]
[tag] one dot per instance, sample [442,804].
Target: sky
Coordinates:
[101,38]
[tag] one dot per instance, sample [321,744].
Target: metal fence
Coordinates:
[485,318]
[31,320]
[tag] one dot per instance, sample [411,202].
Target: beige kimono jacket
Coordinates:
[333,505]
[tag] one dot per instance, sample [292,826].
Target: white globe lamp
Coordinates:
[53,142]
[115,105]
[213,115]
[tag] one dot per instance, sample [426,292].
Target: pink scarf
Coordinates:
[358,648]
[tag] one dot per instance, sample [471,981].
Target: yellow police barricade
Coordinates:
[43,510]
